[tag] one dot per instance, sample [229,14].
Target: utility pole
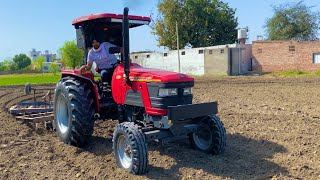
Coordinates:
[177,34]
[177,31]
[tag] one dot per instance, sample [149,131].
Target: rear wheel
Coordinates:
[73,111]
[130,148]
[210,136]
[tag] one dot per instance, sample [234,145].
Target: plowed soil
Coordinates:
[273,127]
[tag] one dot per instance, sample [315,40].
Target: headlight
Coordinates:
[187,91]
[168,92]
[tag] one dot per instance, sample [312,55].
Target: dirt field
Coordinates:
[273,127]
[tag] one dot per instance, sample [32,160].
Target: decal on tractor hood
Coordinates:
[143,78]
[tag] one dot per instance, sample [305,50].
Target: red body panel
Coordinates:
[107,15]
[117,84]
[139,77]
[76,72]
[142,74]
[89,78]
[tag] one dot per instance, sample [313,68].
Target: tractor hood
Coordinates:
[139,73]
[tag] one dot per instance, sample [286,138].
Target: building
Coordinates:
[46,66]
[33,54]
[275,56]
[49,57]
[191,60]
[232,59]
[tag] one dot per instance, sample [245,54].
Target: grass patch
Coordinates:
[317,73]
[210,76]
[292,73]
[22,79]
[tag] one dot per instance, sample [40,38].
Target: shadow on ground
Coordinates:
[244,158]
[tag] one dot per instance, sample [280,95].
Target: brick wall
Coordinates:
[274,56]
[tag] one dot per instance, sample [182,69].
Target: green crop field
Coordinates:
[22,79]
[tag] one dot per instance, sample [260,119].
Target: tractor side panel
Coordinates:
[134,98]
[118,85]
[137,95]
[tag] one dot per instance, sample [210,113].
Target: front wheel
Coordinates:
[130,148]
[210,136]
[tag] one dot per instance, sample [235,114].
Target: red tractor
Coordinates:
[149,104]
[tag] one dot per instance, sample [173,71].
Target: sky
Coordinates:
[46,25]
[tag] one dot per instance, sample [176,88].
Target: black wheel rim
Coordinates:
[203,137]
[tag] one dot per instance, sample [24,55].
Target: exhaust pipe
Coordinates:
[126,50]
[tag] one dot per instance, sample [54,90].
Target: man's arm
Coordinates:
[86,67]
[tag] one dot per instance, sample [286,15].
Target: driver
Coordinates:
[104,60]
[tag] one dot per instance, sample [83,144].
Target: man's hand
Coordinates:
[84,69]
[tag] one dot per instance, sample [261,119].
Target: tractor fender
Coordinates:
[92,85]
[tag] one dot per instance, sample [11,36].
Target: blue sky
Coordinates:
[46,25]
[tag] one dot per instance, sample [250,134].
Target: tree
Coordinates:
[200,22]
[2,66]
[54,68]
[71,55]
[21,61]
[38,63]
[7,65]
[293,21]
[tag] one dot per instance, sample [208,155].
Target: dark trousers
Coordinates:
[106,75]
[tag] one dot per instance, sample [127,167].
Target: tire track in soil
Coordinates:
[2,95]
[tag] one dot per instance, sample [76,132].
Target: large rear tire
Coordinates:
[73,111]
[210,136]
[130,148]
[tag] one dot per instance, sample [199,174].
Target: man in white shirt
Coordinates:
[104,60]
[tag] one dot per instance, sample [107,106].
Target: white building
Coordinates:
[191,60]
[33,54]
[49,57]
[230,59]
[46,66]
